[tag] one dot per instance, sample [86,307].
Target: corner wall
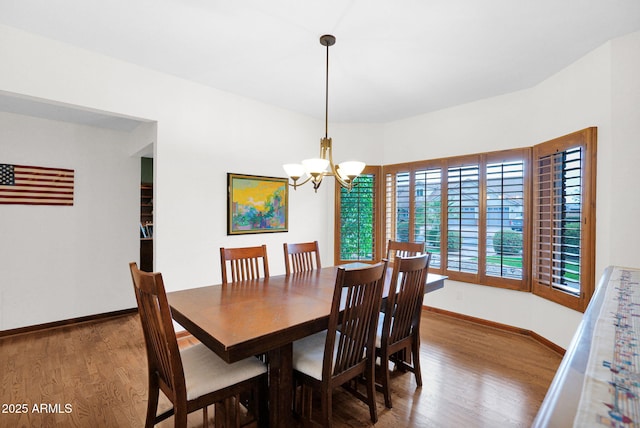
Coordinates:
[621,239]
[61,262]
[601,89]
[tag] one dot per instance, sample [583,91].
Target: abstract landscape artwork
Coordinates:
[256,204]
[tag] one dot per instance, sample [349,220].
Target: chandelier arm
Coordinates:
[343,183]
[297,184]
[337,176]
[334,172]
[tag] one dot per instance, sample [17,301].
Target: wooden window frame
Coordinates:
[587,140]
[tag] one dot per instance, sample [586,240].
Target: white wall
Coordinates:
[622,234]
[60,262]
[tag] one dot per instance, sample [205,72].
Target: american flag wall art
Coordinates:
[35,185]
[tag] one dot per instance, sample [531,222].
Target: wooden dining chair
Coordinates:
[244,263]
[195,377]
[301,257]
[403,249]
[398,335]
[345,351]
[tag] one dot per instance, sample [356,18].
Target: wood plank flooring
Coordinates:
[94,375]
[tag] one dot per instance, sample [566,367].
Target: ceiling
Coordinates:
[392,60]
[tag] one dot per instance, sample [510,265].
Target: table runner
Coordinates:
[611,390]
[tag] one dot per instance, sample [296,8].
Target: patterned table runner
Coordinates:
[610,394]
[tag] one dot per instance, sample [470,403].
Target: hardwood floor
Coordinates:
[94,375]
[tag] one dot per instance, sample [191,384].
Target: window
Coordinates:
[505,192]
[522,219]
[428,211]
[357,219]
[564,219]
[465,210]
[463,202]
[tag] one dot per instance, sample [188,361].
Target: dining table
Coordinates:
[265,316]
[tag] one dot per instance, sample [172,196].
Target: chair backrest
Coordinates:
[244,263]
[403,249]
[355,306]
[160,338]
[301,257]
[402,313]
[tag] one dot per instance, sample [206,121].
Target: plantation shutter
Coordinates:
[402,207]
[398,206]
[505,219]
[463,200]
[428,211]
[357,220]
[563,225]
[389,206]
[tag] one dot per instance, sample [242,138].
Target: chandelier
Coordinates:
[316,169]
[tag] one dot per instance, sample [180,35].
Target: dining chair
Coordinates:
[398,334]
[404,249]
[244,263]
[345,351]
[195,377]
[301,257]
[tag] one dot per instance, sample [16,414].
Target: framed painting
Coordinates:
[256,204]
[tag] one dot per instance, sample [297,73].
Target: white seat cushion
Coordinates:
[205,372]
[379,330]
[308,354]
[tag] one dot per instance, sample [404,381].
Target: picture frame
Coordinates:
[257,204]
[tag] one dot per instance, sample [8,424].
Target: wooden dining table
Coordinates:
[266,315]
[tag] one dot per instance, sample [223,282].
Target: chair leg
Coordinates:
[371,392]
[152,404]
[327,404]
[385,381]
[306,402]
[415,350]
[180,416]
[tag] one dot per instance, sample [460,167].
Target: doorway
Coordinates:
[146,214]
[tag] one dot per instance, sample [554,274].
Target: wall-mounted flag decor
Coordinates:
[35,185]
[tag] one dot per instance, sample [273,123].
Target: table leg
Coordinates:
[280,386]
